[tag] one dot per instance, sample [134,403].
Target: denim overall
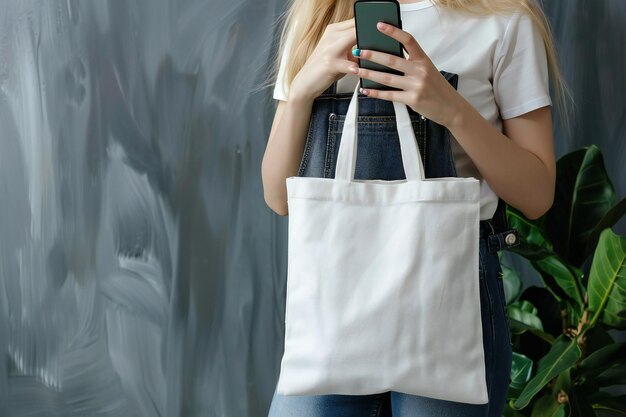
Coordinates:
[379,157]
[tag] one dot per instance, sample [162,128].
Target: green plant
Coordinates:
[564,357]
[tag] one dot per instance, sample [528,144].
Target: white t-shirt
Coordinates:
[500,59]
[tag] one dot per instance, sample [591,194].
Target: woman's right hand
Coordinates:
[330,60]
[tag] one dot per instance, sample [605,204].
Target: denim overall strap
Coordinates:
[500,235]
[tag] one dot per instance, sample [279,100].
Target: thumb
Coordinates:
[351,57]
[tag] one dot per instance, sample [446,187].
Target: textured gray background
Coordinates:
[141,273]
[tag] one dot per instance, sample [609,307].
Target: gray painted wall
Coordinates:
[141,273]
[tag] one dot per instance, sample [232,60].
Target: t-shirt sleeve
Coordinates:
[281,89]
[520,78]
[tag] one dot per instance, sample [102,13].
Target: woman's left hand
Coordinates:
[425,89]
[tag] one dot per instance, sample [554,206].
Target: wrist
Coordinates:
[300,97]
[299,92]
[459,114]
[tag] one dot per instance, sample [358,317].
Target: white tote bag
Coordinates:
[382,281]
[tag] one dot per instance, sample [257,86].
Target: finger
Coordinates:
[391,95]
[392,80]
[344,65]
[351,57]
[405,38]
[388,60]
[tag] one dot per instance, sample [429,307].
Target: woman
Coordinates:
[499,116]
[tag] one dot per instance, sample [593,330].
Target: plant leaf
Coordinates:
[549,310]
[583,195]
[512,283]
[547,406]
[562,280]
[607,281]
[521,372]
[524,312]
[614,406]
[610,218]
[567,277]
[534,238]
[601,359]
[614,375]
[517,327]
[563,355]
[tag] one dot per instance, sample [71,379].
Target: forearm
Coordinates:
[284,151]
[518,176]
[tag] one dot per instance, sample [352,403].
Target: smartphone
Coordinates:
[367,13]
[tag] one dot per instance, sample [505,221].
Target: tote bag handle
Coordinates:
[346,158]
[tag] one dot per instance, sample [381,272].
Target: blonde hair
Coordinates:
[314,16]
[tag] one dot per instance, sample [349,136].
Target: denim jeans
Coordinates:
[379,157]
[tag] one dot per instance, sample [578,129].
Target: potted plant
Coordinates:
[564,357]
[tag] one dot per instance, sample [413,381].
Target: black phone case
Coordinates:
[366,14]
